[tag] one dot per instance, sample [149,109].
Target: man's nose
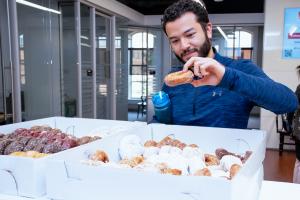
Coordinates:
[184,43]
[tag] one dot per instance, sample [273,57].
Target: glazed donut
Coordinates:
[100,156]
[172,171]
[211,160]
[132,162]
[150,143]
[203,172]
[179,78]
[166,141]
[234,169]
[193,145]
[181,146]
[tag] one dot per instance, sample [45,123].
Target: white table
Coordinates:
[279,191]
[270,191]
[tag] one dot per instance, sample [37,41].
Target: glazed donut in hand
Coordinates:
[179,78]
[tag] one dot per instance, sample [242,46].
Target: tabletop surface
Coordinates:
[270,191]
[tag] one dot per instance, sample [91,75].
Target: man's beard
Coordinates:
[203,50]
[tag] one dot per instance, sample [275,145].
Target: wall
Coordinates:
[217,19]
[119,9]
[281,70]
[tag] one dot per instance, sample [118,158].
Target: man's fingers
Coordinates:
[197,83]
[189,63]
[197,69]
[203,69]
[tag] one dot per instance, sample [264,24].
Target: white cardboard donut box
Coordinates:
[26,176]
[66,172]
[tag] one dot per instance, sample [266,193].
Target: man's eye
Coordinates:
[174,41]
[190,35]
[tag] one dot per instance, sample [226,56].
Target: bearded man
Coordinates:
[224,90]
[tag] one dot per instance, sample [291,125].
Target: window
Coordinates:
[140,52]
[239,39]
[234,42]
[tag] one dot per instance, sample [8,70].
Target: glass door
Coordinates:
[86,56]
[138,53]
[144,50]
[87,72]
[39,49]
[121,55]
[102,40]
[5,69]
[6,103]
[69,72]
[95,63]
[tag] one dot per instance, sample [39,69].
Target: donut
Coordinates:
[193,145]
[211,160]
[100,156]
[150,143]
[132,162]
[179,78]
[220,152]
[150,151]
[166,141]
[175,142]
[137,160]
[234,169]
[189,152]
[195,164]
[223,152]
[227,161]
[202,172]
[181,146]
[176,172]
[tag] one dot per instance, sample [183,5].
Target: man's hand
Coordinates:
[209,70]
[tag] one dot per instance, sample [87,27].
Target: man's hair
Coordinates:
[179,8]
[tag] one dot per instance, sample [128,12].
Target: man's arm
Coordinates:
[260,89]
[247,80]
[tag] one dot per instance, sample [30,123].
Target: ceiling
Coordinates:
[157,7]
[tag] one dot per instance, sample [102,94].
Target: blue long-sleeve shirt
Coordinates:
[228,104]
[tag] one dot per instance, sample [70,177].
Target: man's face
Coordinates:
[187,37]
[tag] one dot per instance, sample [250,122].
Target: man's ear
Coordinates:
[209,30]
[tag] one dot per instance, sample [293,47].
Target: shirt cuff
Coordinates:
[228,79]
